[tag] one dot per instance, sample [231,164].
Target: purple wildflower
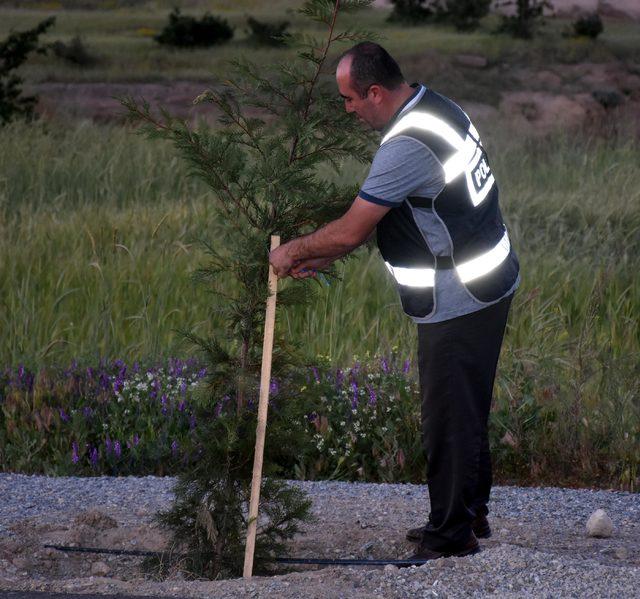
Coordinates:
[94,456]
[178,368]
[372,396]
[105,382]
[87,412]
[183,387]
[117,449]
[174,448]
[181,405]
[117,385]
[384,364]
[202,373]
[192,422]
[316,375]
[63,415]
[354,399]
[136,439]
[89,372]
[406,366]
[164,404]
[21,371]
[274,387]
[75,458]
[156,388]
[107,445]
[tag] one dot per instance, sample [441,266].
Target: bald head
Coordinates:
[370,64]
[371,84]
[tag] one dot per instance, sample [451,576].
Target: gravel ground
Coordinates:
[539,546]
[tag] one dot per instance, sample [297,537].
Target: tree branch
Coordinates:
[334,16]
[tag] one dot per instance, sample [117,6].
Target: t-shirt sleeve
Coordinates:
[402,167]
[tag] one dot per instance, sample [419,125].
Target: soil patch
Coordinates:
[528,101]
[360,523]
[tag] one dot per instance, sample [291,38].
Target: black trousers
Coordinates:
[457,362]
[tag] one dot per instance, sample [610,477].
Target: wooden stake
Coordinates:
[265,380]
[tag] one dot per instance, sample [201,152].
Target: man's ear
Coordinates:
[375,93]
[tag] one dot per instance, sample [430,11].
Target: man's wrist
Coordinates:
[294,249]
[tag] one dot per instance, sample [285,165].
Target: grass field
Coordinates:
[120,35]
[100,233]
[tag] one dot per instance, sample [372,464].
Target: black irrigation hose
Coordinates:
[279,560]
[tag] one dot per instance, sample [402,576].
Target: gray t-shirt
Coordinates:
[404,167]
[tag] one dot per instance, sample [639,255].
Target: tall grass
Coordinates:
[99,231]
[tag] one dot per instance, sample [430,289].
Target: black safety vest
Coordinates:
[467,206]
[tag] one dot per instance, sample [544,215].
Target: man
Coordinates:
[433,201]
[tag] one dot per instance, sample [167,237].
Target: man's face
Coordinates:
[367,109]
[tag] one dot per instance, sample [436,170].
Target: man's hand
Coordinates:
[337,238]
[310,267]
[281,260]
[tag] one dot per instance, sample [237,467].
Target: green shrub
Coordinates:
[267,34]
[465,15]
[588,26]
[188,32]
[412,12]
[527,19]
[14,51]
[74,52]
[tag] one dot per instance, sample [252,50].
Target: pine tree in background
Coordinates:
[14,51]
[269,167]
[527,19]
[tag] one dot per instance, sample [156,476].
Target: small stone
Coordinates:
[599,525]
[100,569]
[21,563]
[471,60]
[622,553]
[367,547]
[390,569]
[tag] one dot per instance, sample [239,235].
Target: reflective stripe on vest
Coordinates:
[467,271]
[468,159]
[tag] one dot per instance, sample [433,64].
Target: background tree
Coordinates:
[269,168]
[185,31]
[527,18]
[465,15]
[588,26]
[413,12]
[14,51]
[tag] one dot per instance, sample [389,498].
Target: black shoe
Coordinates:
[480,527]
[425,553]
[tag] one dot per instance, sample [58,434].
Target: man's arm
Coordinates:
[335,239]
